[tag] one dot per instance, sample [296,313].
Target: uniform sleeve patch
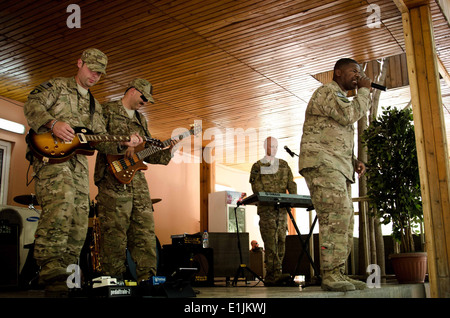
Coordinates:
[41,88]
[35,91]
[342,97]
[47,85]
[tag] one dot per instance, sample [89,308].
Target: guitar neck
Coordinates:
[106,138]
[111,138]
[166,143]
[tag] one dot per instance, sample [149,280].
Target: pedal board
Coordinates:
[114,291]
[106,286]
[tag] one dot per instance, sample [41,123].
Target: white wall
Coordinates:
[237,180]
[178,187]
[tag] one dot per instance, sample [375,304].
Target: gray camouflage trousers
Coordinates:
[62,191]
[331,196]
[126,222]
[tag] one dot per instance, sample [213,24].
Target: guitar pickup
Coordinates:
[82,138]
[116,166]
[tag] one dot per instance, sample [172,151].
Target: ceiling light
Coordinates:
[12,126]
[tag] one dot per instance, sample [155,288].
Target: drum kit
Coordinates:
[28,200]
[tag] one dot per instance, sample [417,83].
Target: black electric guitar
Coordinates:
[51,149]
[124,168]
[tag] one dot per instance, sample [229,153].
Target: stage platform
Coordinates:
[255,290]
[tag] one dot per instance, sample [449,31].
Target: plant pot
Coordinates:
[409,268]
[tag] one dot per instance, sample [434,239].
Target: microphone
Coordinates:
[373,85]
[289,151]
[378,86]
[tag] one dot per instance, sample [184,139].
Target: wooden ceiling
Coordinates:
[230,64]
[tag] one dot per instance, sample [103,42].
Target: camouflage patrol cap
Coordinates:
[95,60]
[144,87]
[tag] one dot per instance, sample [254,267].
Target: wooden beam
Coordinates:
[207,186]
[431,141]
[291,227]
[443,71]
[401,6]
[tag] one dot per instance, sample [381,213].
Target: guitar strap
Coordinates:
[91,106]
[140,123]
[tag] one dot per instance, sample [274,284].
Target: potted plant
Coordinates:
[393,184]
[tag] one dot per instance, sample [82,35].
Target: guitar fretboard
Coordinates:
[166,143]
[112,138]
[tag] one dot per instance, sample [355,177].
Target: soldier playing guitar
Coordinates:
[62,189]
[125,210]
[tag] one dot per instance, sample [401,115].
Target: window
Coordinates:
[5,157]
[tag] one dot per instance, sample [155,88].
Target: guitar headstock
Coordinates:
[196,128]
[155,142]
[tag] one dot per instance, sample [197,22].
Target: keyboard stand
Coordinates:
[288,201]
[242,267]
[305,244]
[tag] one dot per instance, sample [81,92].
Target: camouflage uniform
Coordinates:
[125,211]
[62,189]
[276,177]
[327,162]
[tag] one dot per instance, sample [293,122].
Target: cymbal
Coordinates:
[156,201]
[26,199]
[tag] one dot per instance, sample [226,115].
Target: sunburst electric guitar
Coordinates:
[124,168]
[51,149]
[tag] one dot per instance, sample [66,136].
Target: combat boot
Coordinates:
[281,280]
[333,280]
[357,283]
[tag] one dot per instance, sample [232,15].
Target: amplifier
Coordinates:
[9,254]
[175,257]
[187,239]
[27,228]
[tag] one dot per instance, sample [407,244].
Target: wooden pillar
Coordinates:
[291,228]
[431,141]
[207,186]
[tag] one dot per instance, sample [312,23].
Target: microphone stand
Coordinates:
[290,152]
[242,267]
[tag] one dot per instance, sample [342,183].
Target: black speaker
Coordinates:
[293,251]
[226,252]
[9,255]
[189,256]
